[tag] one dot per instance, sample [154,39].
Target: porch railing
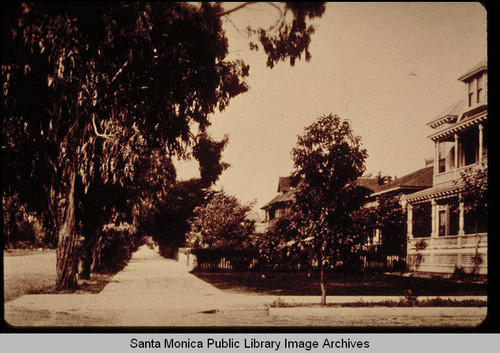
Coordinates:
[448,242]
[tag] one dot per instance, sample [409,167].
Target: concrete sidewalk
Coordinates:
[149,291]
[152,291]
[150,281]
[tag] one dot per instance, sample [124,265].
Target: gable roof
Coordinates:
[419,179]
[286,188]
[369,183]
[281,198]
[286,183]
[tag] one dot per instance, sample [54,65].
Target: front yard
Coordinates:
[32,271]
[299,283]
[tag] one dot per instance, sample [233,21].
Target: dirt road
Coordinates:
[27,273]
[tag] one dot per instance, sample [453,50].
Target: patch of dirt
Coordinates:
[94,285]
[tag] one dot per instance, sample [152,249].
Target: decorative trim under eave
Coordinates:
[438,195]
[447,119]
[459,127]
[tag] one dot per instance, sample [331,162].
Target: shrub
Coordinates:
[411,298]
[459,273]
[240,263]
[280,250]
[23,228]
[400,266]
[421,245]
[114,247]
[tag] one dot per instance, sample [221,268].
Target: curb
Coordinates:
[381,312]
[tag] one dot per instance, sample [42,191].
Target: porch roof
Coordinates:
[468,119]
[281,198]
[437,192]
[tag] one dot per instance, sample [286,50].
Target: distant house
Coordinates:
[254,216]
[399,187]
[421,179]
[407,184]
[279,206]
[441,235]
[373,184]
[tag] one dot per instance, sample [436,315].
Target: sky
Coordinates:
[388,68]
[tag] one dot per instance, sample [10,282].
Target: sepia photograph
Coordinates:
[245,164]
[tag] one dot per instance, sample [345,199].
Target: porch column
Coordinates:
[447,228]
[436,157]
[456,151]
[409,220]
[461,214]
[434,214]
[481,127]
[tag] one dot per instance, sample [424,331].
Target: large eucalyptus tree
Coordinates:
[89,89]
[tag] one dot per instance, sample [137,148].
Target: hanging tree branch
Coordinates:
[108,137]
[236,8]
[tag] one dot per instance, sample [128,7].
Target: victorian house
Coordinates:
[442,236]
[279,206]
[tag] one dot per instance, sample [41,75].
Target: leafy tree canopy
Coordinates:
[475,191]
[329,159]
[392,223]
[389,218]
[220,222]
[92,91]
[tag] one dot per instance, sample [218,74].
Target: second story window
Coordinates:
[446,156]
[479,89]
[471,92]
[442,165]
[469,147]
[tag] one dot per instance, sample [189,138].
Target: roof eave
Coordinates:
[401,187]
[473,119]
[473,73]
[443,120]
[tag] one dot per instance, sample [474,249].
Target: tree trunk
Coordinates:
[67,254]
[87,258]
[322,280]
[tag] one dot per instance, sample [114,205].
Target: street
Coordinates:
[27,273]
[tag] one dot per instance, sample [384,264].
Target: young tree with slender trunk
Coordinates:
[328,159]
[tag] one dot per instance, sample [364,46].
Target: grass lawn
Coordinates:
[298,283]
